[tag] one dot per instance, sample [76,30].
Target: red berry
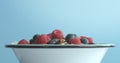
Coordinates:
[49,35]
[90,40]
[81,37]
[75,41]
[42,39]
[57,34]
[23,41]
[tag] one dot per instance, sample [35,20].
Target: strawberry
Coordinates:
[23,41]
[42,39]
[90,40]
[57,34]
[75,41]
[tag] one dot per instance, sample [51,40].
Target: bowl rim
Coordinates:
[99,45]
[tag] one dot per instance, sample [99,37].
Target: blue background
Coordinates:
[99,19]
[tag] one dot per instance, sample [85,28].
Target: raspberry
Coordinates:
[50,35]
[90,40]
[57,34]
[75,41]
[42,39]
[81,37]
[23,41]
[86,40]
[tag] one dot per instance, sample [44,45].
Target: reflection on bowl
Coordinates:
[36,53]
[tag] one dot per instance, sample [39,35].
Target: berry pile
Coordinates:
[57,37]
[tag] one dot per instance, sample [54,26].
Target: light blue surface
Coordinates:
[99,19]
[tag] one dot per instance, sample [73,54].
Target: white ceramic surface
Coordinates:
[82,54]
[65,55]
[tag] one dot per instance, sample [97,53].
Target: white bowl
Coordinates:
[36,53]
